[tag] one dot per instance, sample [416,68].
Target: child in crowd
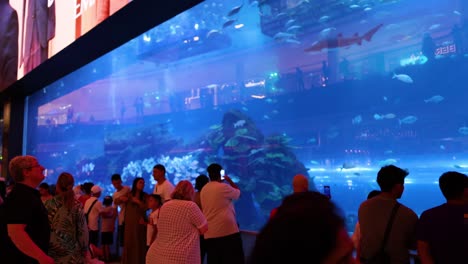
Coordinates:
[154,203]
[109,214]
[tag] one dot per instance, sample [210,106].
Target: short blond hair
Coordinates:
[18,164]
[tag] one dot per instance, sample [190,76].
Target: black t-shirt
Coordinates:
[24,206]
[444,229]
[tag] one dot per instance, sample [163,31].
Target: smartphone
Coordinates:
[326,191]
[222,174]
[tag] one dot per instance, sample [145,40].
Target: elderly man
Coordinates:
[25,215]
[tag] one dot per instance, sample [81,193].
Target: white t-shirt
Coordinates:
[164,190]
[124,191]
[178,239]
[93,217]
[218,208]
[108,222]
[153,218]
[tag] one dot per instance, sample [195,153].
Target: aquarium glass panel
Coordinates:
[269,89]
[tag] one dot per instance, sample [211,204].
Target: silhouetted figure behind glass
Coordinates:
[299,79]
[428,47]
[344,69]
[457,39]
[325,73]
[139,105]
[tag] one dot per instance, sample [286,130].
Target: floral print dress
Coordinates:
[69,232]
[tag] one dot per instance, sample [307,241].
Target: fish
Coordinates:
[463,130]
[367,9]
[434,99]
[341,42]
[293,41]
[293,28]
[326,32]
[212,33]
[388,152]
[403,78]
[442,147]
[386,116]
[239,123]
[356,120]
[314,162]
[434,27]
[408,120]
[235,10]
[229,23]
[281,36]
[457,13]
[311,140]
[323,19]
[290,23]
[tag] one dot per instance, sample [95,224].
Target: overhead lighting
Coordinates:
[239,26]
[196,38]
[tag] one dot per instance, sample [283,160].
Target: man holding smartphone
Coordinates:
[223,239]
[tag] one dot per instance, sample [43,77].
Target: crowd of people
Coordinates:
[183,224]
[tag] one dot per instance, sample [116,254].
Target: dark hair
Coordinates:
[160,167]
[116,177]
[389,176]
[86,187]
[157,197]
[305,226]
[214,171]
[200,181]
[135,181]
[373,194]
[107,201]
[45,186]
[453,184]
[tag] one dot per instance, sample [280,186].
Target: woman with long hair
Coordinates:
[135,228]
[180,223]
[69,232]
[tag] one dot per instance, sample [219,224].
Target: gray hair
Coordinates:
[18,164]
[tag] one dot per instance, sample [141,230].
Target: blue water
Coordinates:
[232,95]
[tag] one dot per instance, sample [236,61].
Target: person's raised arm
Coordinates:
[24,243]
[229,180]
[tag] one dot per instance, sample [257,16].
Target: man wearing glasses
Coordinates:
[25,215]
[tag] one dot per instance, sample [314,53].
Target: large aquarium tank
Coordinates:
[269,89]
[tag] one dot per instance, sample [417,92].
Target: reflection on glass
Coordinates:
[330,89]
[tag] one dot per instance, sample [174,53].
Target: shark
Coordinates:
[343,42]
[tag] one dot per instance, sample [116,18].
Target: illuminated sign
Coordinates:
[42,28]
[452,48]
